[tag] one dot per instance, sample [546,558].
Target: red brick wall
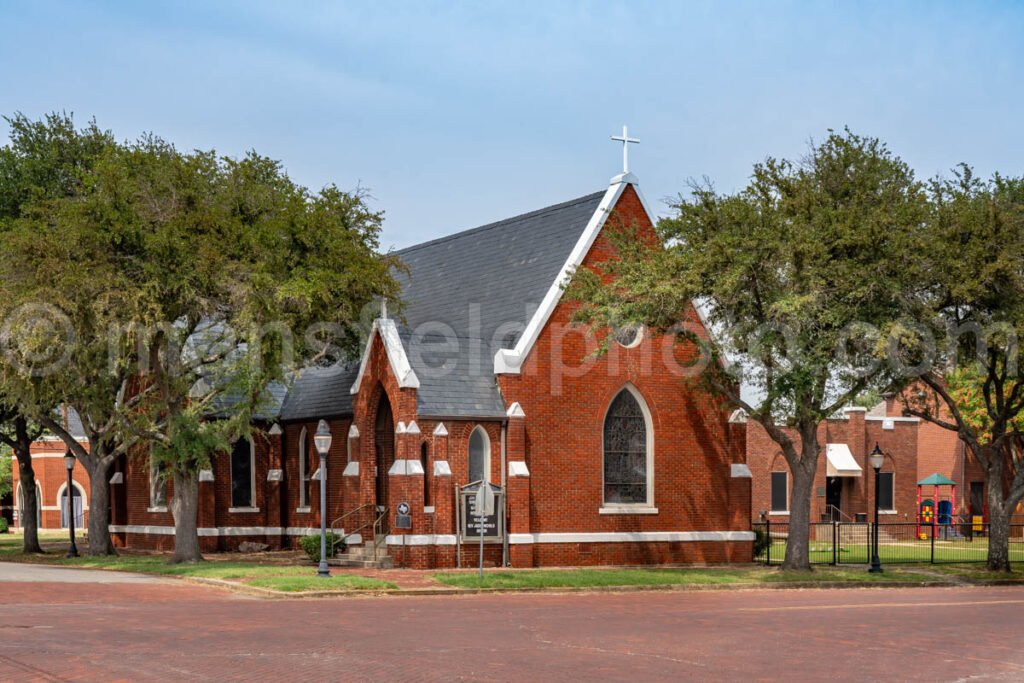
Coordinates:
[565,394]
[899,444]
[52,477]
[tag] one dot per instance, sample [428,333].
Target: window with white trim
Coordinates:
[479,455]
[780,492]
[157,483]
[427,474]
[304,469]
[22,503]
[886,491]
[243,474]
[77,501]
[627,451]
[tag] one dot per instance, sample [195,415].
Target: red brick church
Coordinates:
[601,460]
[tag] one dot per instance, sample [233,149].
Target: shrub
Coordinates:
[3,525]
[761,542]
[311,544]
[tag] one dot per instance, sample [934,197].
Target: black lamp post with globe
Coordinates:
[876,458]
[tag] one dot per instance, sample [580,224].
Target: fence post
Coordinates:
[933,544]
[835,543]
[768,533]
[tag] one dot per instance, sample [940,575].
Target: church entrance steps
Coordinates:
[364,556]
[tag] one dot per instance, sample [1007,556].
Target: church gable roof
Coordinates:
[504,268]
[485,284]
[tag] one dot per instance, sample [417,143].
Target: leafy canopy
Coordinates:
[798,275]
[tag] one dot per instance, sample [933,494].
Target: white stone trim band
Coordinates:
[421,539]
[220,531]
[633,537]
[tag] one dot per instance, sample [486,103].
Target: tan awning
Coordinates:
[840,461]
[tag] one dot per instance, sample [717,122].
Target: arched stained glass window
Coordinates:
[479,455]
[625,451]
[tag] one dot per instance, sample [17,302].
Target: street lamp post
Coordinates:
[69,463]
[875,458]
[322,440]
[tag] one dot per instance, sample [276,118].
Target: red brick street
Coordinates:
[151,630]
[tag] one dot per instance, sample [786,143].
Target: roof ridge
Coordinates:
[502,222]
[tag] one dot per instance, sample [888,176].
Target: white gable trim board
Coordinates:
[400,366]
[509,361]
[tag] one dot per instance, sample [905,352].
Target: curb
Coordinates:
[269,593]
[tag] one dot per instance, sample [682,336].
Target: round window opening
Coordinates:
[629,335]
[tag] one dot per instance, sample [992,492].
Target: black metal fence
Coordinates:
[837,543]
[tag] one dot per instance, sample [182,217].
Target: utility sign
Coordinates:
[484,500]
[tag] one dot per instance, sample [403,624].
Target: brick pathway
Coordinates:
[170,631]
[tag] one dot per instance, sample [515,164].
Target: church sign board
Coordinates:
[469,521]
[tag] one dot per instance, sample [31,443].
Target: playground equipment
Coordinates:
[933,511]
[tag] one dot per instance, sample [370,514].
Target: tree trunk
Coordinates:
[998,514]
[798,540]
[99,508]
[30,503]
[185,508]
[998,538]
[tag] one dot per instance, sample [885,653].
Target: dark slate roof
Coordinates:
[74,426]
[320,392]
[268,408]
[498,274]
[505,268]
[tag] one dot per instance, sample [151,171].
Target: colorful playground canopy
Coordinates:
[936,480]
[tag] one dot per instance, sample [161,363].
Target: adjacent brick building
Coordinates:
[52,485]
[844,484]
[602,460]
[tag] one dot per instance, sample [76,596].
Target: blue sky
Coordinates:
[456,114]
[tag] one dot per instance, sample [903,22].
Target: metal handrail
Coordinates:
[376,523]
[348,514]
[829,508]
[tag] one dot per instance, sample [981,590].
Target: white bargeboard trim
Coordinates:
[397,357]
[510,361]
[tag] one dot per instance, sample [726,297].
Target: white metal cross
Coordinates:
[625,140]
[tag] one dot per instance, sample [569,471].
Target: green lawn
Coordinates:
[603,578]
[284,577]
[909,551]
[308,582]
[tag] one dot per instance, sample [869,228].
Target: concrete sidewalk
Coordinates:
[40,573]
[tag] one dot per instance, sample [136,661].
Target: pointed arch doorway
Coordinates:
[384,449]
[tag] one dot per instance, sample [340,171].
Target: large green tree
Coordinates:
[6,473]
[971,296]
[234,275]
[46,161]
[17,434]
[798,275]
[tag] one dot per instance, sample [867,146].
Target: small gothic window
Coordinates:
[304,469]
[157,483]
[76,497]
[625,451]
[243,483]
[479,455]
[425,461]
